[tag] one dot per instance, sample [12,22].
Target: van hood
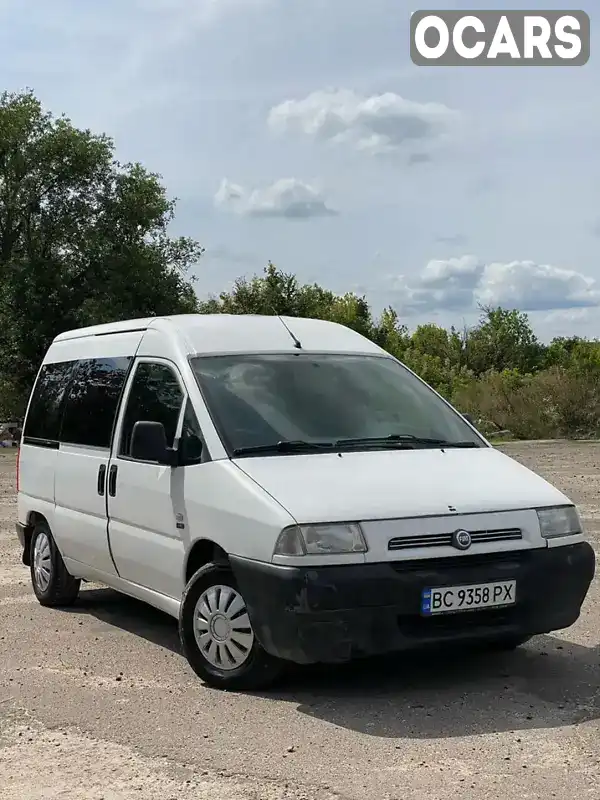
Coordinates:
[332,487]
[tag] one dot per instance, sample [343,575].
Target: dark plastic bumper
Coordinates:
[333,614]
[21,533]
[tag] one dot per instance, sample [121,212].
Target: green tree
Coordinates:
[277,292]
[390,334]
[83,239]
[433,340]
[560,350]
[585,357]
[503,339]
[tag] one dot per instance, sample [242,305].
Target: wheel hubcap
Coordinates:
[42,561]
[222,627]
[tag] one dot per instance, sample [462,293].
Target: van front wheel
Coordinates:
[52,584]
[217,636]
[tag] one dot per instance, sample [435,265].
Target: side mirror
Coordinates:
[149,443]
[469,419]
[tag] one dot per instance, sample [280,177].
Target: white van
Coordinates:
[289,492]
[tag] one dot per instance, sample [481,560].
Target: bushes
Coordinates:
[559,402]
[507,400]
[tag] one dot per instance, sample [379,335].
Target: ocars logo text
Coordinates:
[499,38]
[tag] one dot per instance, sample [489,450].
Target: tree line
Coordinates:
[496,370]
[85,239]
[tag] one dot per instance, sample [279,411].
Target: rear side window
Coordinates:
[155,396]
[93,399]
[47,401]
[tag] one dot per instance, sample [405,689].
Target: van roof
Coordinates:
[239,332]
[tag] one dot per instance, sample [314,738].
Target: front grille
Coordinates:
[515,559]
[445,539]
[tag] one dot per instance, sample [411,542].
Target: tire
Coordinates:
[52,584]
[211,603]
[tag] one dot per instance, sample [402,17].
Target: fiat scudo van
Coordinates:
[287,491]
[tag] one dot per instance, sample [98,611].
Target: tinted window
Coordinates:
[155,396]
[259,400]
[93,400]
[47,402]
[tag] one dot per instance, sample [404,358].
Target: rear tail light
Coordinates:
[18,464]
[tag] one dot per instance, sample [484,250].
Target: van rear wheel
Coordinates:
[52,584]
[217,635]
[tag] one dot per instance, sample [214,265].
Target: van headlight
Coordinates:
[325,539]
[559,521]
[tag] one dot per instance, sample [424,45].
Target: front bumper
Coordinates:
[335,613]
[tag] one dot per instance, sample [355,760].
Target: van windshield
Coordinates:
[304,402]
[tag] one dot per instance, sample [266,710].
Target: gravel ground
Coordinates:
[97,702]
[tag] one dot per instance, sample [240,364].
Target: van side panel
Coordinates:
[61,479]
[36,482]
[80,521]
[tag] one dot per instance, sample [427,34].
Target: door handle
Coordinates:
[112,480]
[101,478]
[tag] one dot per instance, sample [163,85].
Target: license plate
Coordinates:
[466,598]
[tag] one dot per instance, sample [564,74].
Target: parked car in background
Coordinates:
[10,434]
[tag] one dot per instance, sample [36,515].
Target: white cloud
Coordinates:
[379,124]
[288,197]
[467,282]
[536,287]
[567,315]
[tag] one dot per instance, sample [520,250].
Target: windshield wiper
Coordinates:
[406,440]
[293,446]
[395,441]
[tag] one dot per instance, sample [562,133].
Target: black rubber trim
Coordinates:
[111,333]
[334,613]
[49,444]
[20,528]
[24,534]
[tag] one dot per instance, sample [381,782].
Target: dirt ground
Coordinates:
[97,703]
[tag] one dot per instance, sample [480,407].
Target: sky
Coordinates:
[299,131]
